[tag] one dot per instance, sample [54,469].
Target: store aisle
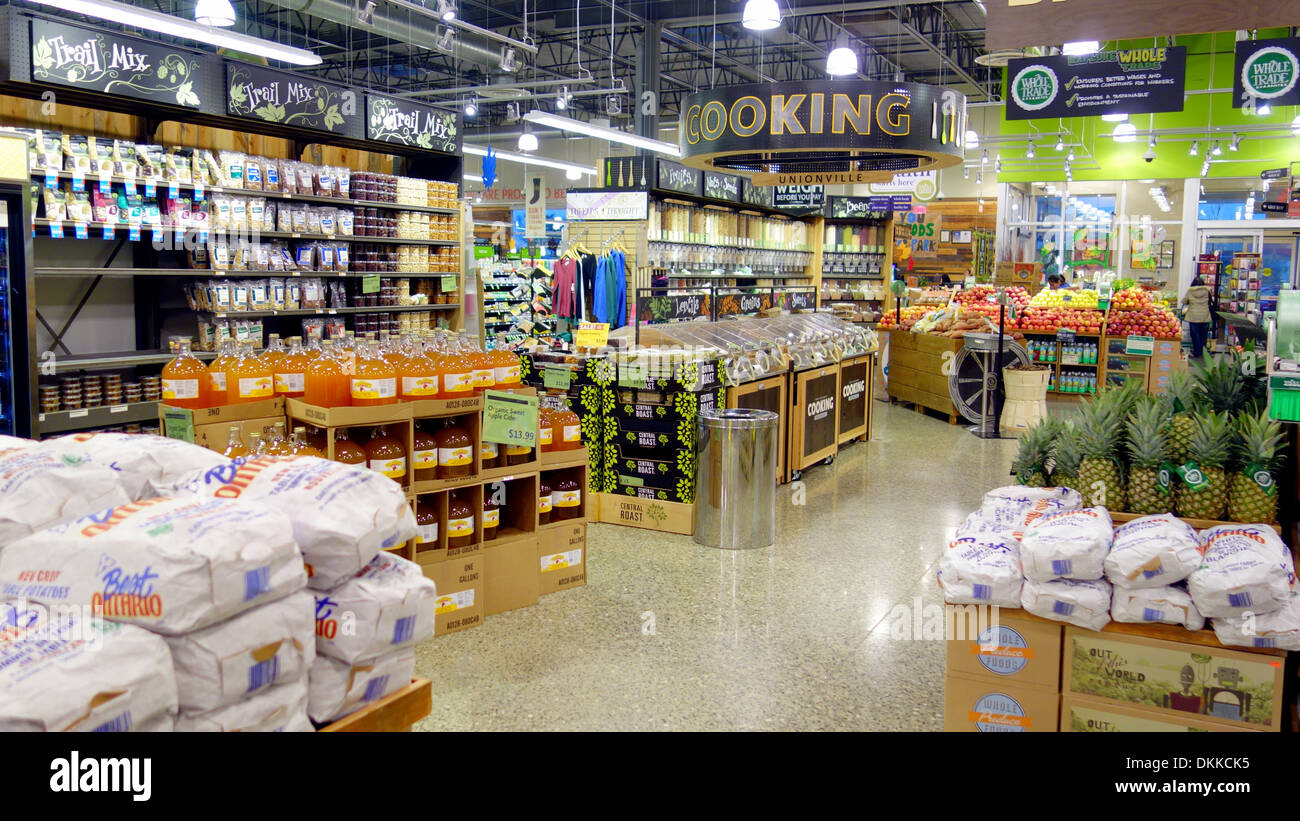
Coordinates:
[671,635]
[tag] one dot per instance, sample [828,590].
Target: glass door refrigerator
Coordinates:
[17,299]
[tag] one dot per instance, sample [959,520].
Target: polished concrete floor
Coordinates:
[669,635]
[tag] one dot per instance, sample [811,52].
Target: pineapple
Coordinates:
[1100,477]
[1252,492]
[1149,488]
[1184,398]
[1204,491]
[1030,464]
[1223,385]
[1065,472]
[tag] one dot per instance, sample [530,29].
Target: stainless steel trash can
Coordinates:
[735,494]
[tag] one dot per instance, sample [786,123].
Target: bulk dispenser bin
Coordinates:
[735,496]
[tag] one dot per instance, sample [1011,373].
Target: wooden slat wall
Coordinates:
[25,113]
[957,215]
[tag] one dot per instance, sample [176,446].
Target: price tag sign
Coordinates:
[56,229]
[107,232]
[1065,335]
[178,423]
[81,230]
[105,183]
[198,192]
[133,233]
[78,180]
[173,190]
[510,418]
[556,378]
[1140,345]
[448,283]
[370,284]
[150,188]
[591,335]
[51,178]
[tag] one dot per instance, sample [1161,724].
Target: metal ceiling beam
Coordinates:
[936,21]
[788,12]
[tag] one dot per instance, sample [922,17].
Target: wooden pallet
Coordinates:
[925,410]
[396,713]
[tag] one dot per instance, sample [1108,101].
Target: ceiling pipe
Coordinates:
[388,25]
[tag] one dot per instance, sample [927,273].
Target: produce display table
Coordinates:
[918,365]
[396,713]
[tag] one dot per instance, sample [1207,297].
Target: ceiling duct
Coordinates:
[406,28]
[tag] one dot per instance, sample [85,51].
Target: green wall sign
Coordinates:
[1266,70]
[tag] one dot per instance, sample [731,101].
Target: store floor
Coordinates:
[669,635]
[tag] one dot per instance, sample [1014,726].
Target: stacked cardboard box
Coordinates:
[1001,678]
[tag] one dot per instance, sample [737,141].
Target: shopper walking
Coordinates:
[1196,305]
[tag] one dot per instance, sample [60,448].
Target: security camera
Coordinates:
[1150,155]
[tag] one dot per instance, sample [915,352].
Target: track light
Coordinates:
[1295,126]
[471,108]
[979,178]
[446,41]
[562,99]
[512,112]
[1216,151]
[965,173]
[761,15]
[1235,143]
[1150,153]
[366,15]
[1029,154]
[509,60]
[446,10]
[1060,143]
[1195,149]
[984,157]
[1070,157]
[214,13]
[997,164]
[527,140]
[614,105]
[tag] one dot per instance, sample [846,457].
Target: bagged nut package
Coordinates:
[72,673]
[138,459]
[341,515]
[339,689]
[391,603]
[267,646]
[40,489]
[278,709]
[171,565]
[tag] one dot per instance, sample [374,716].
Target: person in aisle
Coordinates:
[1196,310]
[1055,282]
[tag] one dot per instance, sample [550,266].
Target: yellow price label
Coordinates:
[591,335]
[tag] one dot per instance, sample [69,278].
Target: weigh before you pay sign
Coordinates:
[1121,81]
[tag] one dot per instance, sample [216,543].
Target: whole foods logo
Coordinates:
[1270,72]
[926,187]
[1034,87]
[1194,476]
[998,713]
[1002,651]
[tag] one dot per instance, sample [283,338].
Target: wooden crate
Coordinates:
[395,713]
[916,370]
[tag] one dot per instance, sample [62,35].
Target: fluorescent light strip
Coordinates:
[528,159]
[185,29]
[472,177]
[601,133]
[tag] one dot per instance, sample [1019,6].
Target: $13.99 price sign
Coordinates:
[510,418]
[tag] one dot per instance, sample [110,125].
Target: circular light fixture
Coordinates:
[471,108]
[1124,133]
[761,15]
[528,141]
[1115,118]
[972,139]
[1264,109]
[573,174]
[217,13]
[446,10]
[842,62]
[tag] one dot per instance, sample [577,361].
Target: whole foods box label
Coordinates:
[409,123]
[287,99]
[115,64]
[1211,682]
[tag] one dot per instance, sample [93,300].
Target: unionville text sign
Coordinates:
[827,132]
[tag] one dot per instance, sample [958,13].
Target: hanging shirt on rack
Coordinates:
[585,285]
[620,290]
[563,302]
[600,306]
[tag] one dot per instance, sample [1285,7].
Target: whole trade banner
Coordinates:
[1120,81]
[1266,70]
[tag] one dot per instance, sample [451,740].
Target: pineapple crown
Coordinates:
[1211,444]
[1184,394]
[1100,424]
[1223,385]
[1035,446]
[1146,433]
[1258,440]
[1067,454]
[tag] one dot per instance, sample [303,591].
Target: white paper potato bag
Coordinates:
[236,658]
[981,569]
[171,565]
[1082,603]
[40,489]
[1244,569]
[1279,629]
[389,604]
[141,461]
[1153,551]
[1014,506]
[1155,605]
[342,515]
[278,709]
[15,443]
[73,673]
[339,689]
[1071,544]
